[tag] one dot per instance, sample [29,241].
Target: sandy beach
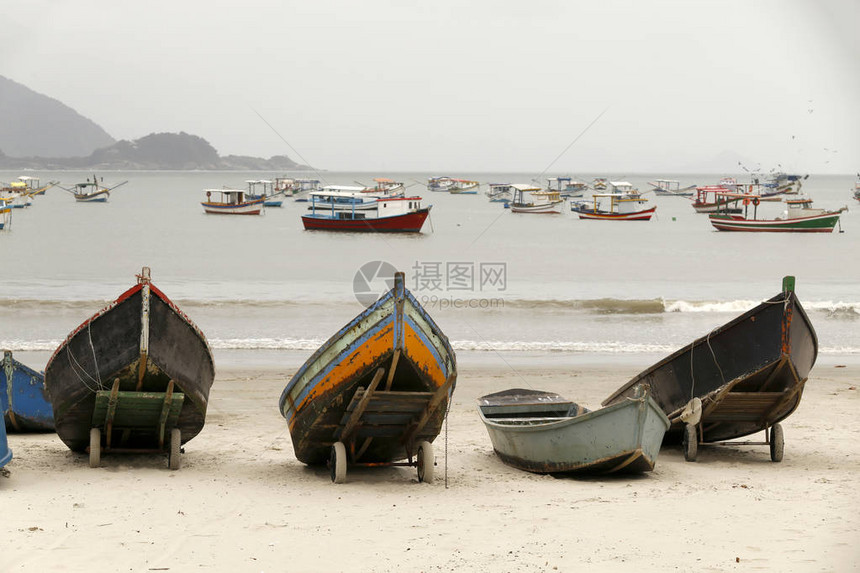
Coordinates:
[242,502]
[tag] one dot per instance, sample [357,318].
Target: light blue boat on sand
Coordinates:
[23,399]
[542,432]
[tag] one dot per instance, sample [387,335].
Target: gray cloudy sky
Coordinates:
[478,85]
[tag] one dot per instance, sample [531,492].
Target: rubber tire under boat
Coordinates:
[95,447]
[174,459]
[691,443]
[337,462]
[426,462]
[777,443]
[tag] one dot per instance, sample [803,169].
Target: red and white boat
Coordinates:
[615,207]
[231,202]
[531,199]
[391,215]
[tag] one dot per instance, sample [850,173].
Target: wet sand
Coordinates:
[242,502]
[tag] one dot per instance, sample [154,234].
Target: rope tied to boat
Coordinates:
[95,360]
[78,369]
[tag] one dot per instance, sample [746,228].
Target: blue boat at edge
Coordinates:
[23,399]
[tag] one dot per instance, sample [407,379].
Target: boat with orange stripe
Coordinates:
[376,393]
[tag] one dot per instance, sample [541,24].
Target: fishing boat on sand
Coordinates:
[23,400]
[231,202]
[531,199]
[5,452]
[542,432]
[741,378]
[92,191]
[671,187]
[376,392]
[614,207]
[135,377]
[337,210]
[798,218]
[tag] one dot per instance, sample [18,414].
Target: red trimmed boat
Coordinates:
[232,202]
[140,350]
[391,215]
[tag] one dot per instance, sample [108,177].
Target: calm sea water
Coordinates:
[504,287]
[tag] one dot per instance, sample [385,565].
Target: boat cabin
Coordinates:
[225,196]
[621,188]
[259,188]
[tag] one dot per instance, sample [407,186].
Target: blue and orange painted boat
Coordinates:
[376,392]
[23,399]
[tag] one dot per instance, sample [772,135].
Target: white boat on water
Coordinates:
[671,187]
[94,191]
[566,186]
[453,185]
[347,198]
[500,192]
[531,199]
[231,202]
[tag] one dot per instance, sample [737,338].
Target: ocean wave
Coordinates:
[600,306]
[506,346]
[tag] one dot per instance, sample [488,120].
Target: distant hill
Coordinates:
[156,151]
[38,132]
[37,125]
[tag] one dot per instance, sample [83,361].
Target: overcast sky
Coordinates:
[476,85]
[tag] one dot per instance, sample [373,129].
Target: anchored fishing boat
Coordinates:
[614,207]
[92,191]
[566,186]
[376,392]
[135,377]
[5,215]
[542,432]
[741,378]
[231,202]
[384,187]
[361,212]
[531,199]
[500,192]
[798,218]
[23,400]
[671,187]
[34,185]
[857,188]
[264,189]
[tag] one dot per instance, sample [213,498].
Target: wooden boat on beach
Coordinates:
[231,202]
[376,392]
[92,191]
[542,432]
[740,378]
[5,452]
[135,377]
[23,400]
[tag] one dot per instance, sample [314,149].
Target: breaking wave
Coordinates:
[506,346]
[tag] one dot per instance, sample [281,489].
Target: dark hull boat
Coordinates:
[376,392]
[139,349]
[23,399]
[743,377]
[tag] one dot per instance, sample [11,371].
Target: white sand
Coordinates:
[242,502]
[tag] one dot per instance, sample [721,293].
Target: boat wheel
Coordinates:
[691,442]
[426,461]
[337,462]
[95,447]
[777,443]
[174,459]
